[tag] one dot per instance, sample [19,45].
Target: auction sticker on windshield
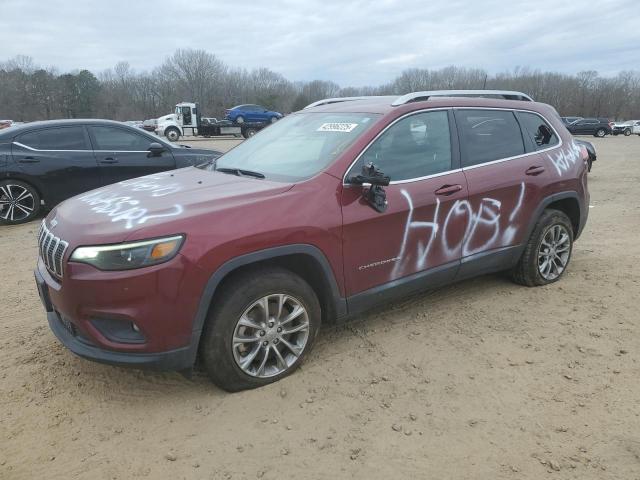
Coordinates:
[337,127]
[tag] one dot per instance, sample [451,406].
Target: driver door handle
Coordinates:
[534,170]
[448,189]
[28,160]
[108,160]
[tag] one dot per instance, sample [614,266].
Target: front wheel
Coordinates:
[627,132]
[19,202]
[601,132]
[274,119]
[260,328]
[548,251]
[172,134]
[239,119]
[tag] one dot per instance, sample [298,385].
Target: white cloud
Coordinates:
[354,43]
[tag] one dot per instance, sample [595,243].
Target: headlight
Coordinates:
[126,256]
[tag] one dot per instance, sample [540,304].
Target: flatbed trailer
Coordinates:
[187,120]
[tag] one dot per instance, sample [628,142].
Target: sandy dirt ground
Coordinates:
[484,379]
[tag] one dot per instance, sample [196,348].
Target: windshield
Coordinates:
[298,146]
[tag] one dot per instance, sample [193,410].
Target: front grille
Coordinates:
[51,250]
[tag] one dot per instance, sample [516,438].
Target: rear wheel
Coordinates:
[19,202]
[260,328]
[239,119]
[548,251]
[274,119]
[249,132]
[601,132]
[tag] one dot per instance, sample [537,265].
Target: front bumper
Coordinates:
[165,345]
[180,359]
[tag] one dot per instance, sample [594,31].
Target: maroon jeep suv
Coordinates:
[346,204]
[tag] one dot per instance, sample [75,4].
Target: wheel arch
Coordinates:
[304,260]
[172,127]
[28,180]
[566,202]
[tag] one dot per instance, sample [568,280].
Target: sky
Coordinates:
[353,43]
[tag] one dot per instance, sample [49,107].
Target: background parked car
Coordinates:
[150,125]
[134,123]
[598,127]
[569,120]
[5,124]
[44,163]
[251,113]
[627,128]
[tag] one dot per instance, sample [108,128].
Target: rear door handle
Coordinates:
[534,170]
[28,160]
[448,189]
[108,160]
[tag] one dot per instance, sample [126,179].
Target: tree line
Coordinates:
[29,92]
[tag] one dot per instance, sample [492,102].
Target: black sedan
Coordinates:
[598,127]
[44,163]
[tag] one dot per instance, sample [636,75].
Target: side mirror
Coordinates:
[156,149]
[370,174]
[543,136]
[375,194]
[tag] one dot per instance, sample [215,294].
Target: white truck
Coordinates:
[186,119]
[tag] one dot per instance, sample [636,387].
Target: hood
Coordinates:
[154,205]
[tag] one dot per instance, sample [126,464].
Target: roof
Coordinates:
[13,131]
[383,105]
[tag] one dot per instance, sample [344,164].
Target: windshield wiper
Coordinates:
[239,172]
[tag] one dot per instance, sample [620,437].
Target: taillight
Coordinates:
[584,153]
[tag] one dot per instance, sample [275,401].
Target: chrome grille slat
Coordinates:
[52,250]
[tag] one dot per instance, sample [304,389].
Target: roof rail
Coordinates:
[327,101]
[420,96]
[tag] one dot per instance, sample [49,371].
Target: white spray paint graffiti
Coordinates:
[564,160]
[127,208]
[488,215]
[147,184]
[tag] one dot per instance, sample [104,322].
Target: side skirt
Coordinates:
[402,287]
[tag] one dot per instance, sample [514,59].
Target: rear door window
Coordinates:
[488,135]
[62,138]
[119,140]
[538,130]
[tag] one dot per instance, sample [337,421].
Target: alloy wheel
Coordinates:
[270,335]
[554,251]
[16,202]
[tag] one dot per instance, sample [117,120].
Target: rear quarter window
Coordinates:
[538,130]
[488,135]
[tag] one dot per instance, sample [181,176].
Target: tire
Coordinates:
[239,119]
[528,270]
[601,132]
[627,132]
[241,298]
[19,202]
[172,134]
[274,119]
[249,132]
[589,165]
